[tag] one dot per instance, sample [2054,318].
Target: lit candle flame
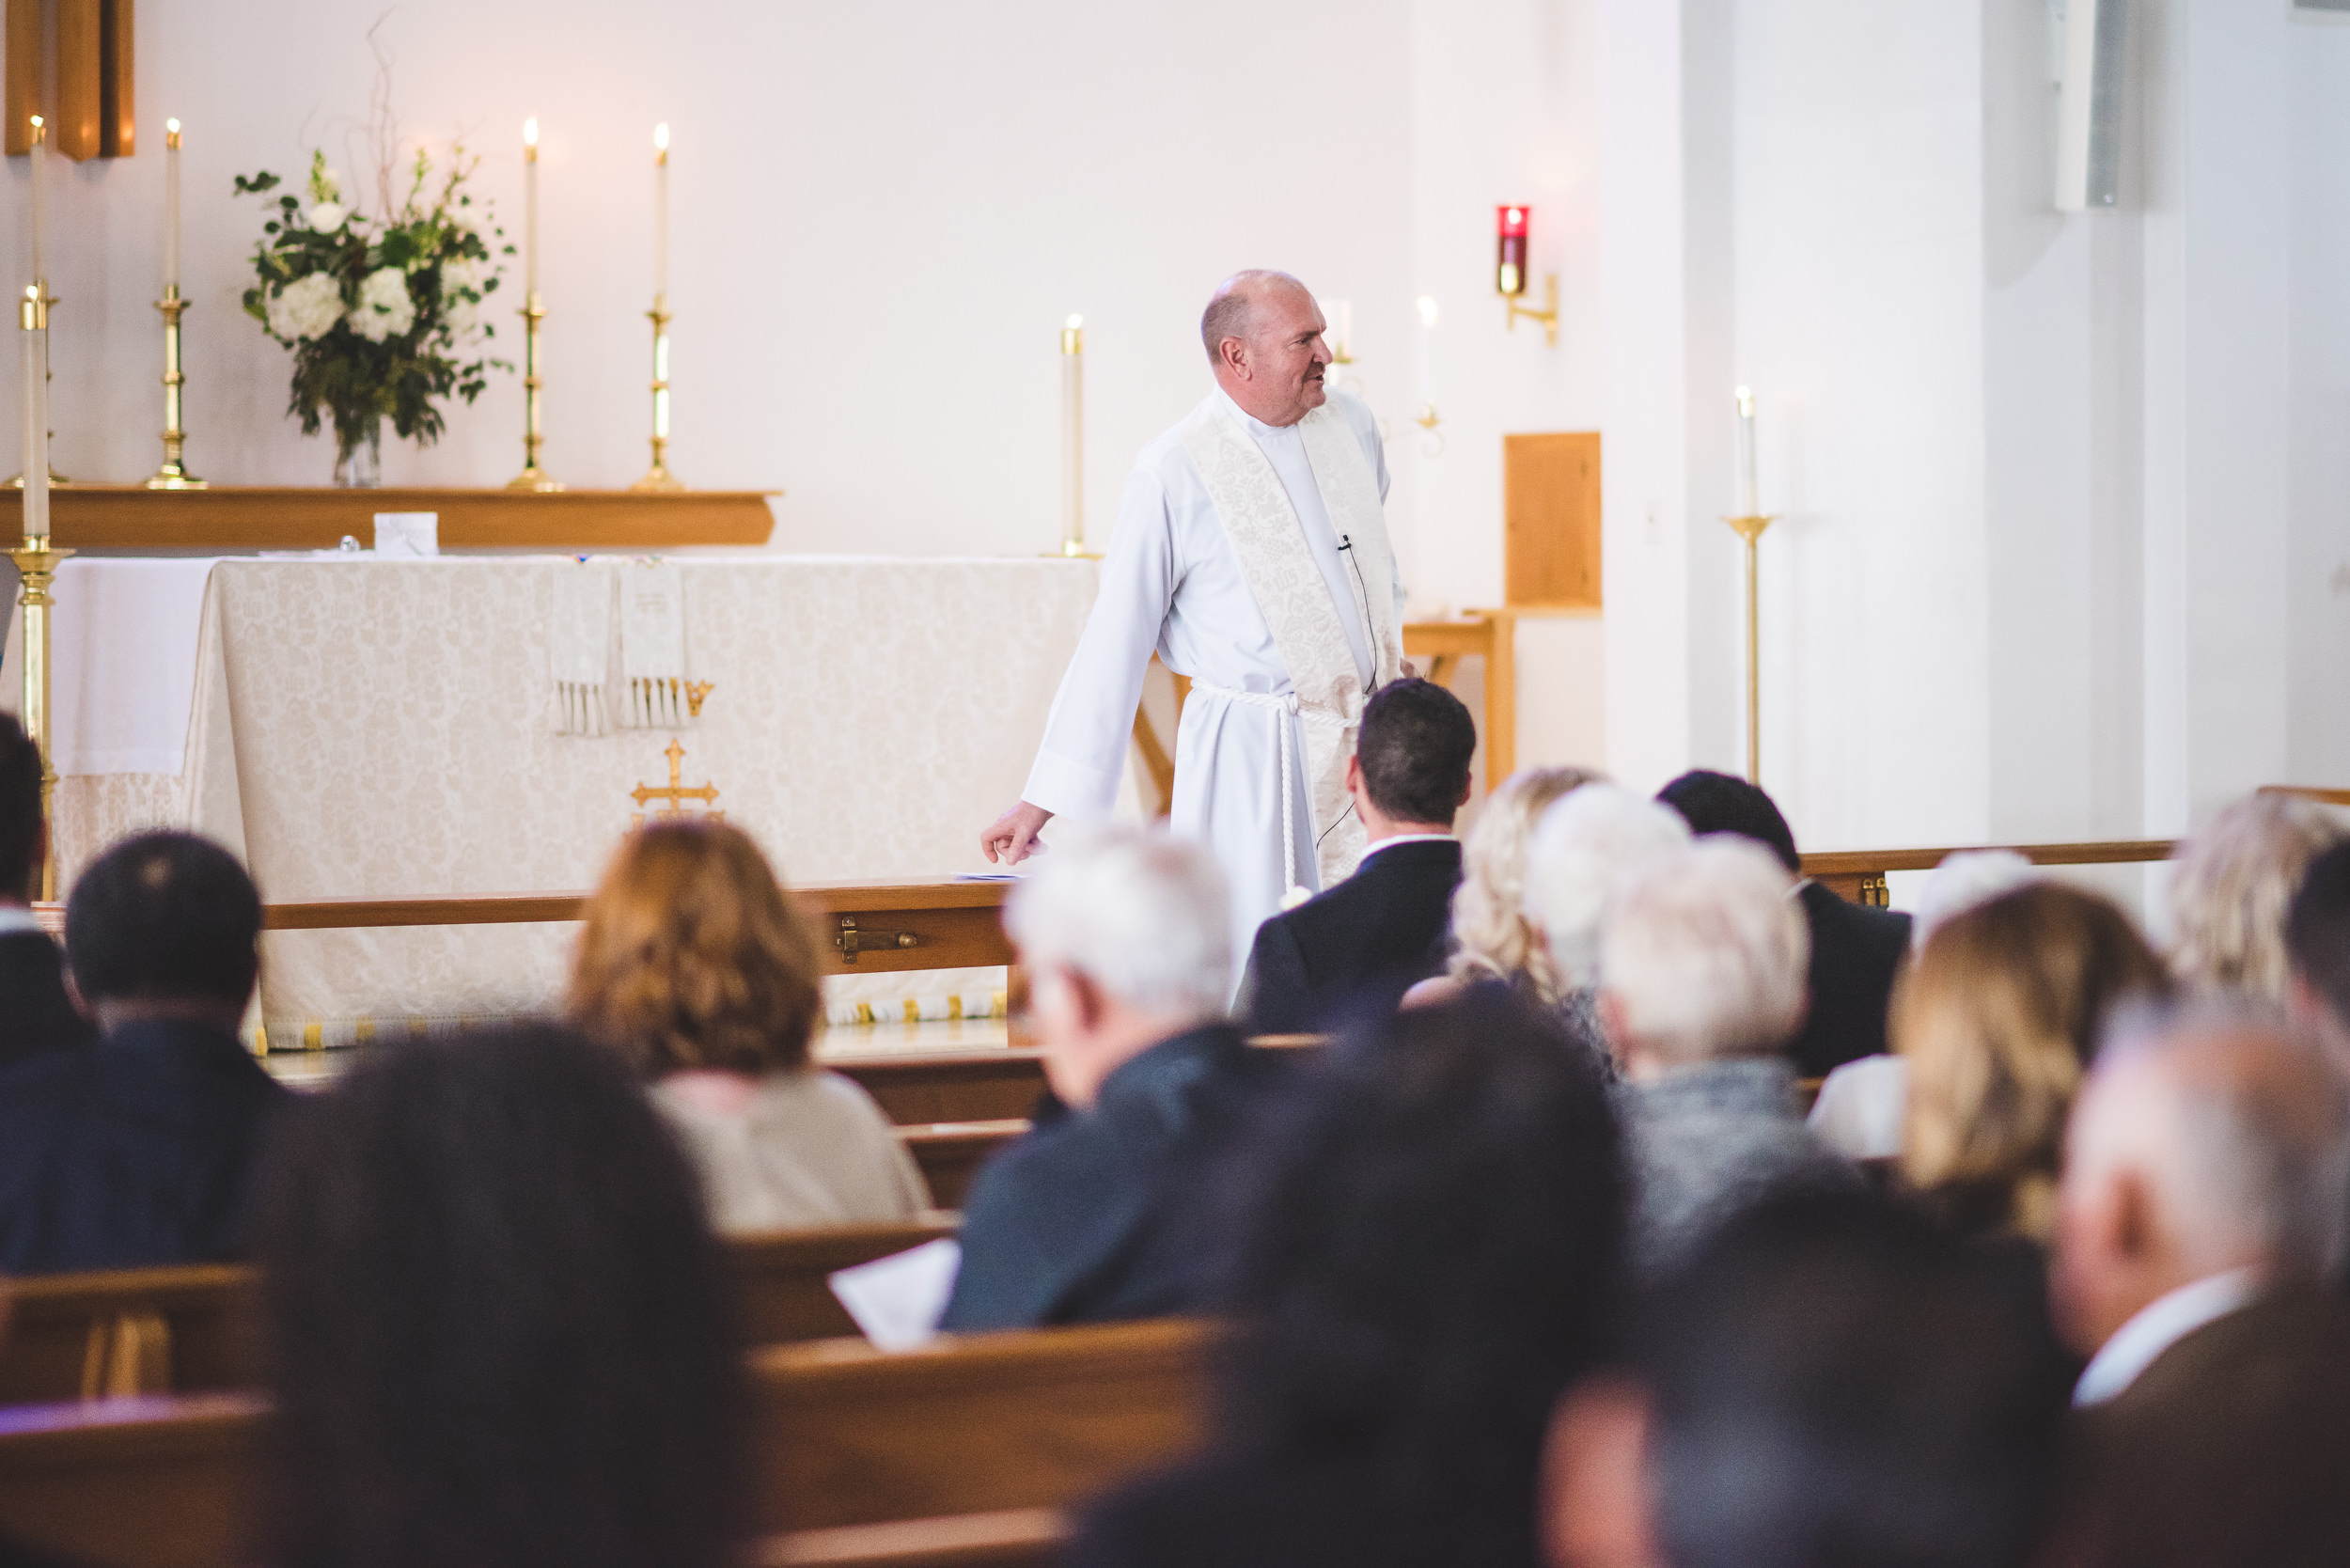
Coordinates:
[1746,401]
[1077,322]
[530,131]
[172,126]
[1427,311]
[661,137]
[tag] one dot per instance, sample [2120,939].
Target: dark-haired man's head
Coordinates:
[22,837]
[1830,1383]
[1410,771]
[1716,803]
[2317,939]
[165,925]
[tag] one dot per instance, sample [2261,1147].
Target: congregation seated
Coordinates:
[1431,1238]
[1095,1212]
[2317,945]
[1855,952]
[495,1321]
[1998,1021]
[36,1015]
[694,968]
[1831,1384]
[1359,945]
[2232,887]
[1701,964]
[139,1150]
[2201,1207]
[1492,939]
[1586,844]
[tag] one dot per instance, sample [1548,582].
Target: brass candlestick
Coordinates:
[36,561]
[1750,529]
[174,474]
[658,477]
[532,477]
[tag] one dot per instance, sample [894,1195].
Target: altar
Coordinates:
[381,727]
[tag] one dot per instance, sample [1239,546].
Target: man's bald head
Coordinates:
[1232,309]
[1263,334]
[2211,1144]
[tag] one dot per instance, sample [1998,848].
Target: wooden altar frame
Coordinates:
[228,518]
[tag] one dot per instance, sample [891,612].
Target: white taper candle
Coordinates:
[661,212]
[171,204]
[530,209]
[1750,493]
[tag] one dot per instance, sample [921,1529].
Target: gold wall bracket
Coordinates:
[1548,315]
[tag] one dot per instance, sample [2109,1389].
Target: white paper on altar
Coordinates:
[123,644]
[384,728]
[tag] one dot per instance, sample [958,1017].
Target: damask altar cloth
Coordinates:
[382,728]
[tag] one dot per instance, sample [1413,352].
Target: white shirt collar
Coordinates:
[1251,423]
[15,917]
[1409,838]
[2158,1325]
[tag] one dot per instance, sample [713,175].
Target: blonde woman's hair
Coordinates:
[1491,934]
[691,956]
[1997,1018]
[2234,881]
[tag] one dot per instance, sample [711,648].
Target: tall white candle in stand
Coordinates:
[1073,436]
[171,207]
[1750,495]
[41,200]
[1427,357]
[530,209]
[35,412]
[660,212]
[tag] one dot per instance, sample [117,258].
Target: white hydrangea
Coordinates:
[306,307]
[385,308]
[461,314]
[327,216]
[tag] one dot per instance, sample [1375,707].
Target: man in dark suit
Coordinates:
[2203,1201]
[2317,939]
[1099,1213]
[1855,952]
[36,1014]
[1363,943]
[139,1151]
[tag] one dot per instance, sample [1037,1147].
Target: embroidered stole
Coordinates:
[1295,598]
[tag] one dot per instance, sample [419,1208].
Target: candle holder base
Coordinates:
[172,476]
[658,480]
[17,481]
[1072,550]
[534,478]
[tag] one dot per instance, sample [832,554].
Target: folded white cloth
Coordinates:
[122,646]
[579,647]
[652,644]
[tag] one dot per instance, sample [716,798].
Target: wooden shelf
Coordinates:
[237,517]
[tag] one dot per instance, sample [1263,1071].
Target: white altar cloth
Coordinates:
[121,703]
[382,728]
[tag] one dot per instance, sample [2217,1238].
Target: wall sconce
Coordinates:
[1510,226]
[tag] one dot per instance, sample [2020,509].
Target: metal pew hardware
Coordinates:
[853,939]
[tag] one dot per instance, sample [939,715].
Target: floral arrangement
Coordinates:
[382,315]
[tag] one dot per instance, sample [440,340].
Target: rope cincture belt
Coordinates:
[1279,702]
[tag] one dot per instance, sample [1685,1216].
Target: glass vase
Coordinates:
[359,457]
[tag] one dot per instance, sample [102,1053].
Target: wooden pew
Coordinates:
[192,1327]
[1011,1538]
[1858,876]
[952,1153]
[844,1436]
[986,1084]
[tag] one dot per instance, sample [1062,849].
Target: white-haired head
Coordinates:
[1703,955]
[1585,844]
[1963,881]
[1143,917]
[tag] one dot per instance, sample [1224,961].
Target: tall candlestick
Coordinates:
[1427,363]
[33,321]
[660,214]
[531,206]
[171,208]
[1341,333]
[40,203]
[1073,437]
[1748,492]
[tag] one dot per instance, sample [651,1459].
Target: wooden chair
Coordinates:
[1001,1425]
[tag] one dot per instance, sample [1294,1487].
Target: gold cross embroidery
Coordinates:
[676,793]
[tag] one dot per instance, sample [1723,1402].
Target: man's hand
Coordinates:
[1013,838]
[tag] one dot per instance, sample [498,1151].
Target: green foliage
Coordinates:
[359,372]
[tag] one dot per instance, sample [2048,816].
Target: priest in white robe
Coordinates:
[1251,553]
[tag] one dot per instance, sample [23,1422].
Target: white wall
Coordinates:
[882,216]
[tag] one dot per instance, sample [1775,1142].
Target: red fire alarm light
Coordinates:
[1509,224]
